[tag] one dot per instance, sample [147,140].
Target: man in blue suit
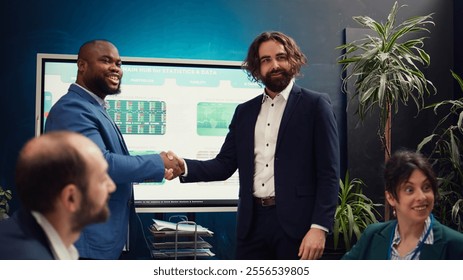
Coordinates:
[285,146]
[63,185]
[82,110]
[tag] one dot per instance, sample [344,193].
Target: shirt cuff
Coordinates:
[186,169]
[314,225]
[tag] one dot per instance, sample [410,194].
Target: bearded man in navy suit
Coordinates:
[63,186]
[285,145]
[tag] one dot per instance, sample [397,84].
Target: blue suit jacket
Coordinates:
[375,241]
[78,111]
[22,238]
[306,162]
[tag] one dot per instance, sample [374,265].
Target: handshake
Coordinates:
[174,165]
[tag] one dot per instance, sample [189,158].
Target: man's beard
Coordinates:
[277,84]
[100,86]
[88,214]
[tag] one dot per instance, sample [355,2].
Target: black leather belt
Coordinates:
[266,201]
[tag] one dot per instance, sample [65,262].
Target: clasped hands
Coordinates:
[174,165]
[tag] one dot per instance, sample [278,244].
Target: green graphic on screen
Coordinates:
[213,118]
[139,117]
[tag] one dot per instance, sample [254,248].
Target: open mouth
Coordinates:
[420,208]
[115,79]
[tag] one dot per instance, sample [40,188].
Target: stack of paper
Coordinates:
[161,225]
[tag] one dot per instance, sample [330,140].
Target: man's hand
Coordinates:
[174,166]
[312,245]
[168,174]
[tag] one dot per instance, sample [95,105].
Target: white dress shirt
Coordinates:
[265,140]
[59,250]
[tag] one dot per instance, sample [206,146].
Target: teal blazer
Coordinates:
[375,240]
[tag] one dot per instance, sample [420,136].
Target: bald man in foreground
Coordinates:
[63,185]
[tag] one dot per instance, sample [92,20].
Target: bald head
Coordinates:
[89,47]
[48,163]
[99,68]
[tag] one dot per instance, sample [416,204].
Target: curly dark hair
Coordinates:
[401,165]
[252,62]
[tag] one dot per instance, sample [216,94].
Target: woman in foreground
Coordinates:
[411,188]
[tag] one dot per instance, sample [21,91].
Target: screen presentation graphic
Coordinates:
[138,117]
[180,105]
[213,118]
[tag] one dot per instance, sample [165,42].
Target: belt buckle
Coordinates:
[262,202]
[266,201]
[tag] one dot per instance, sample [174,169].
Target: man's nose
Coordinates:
[111,186]
[275,65]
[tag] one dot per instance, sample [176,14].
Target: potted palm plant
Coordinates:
[384,70]
[447,159]
[354,212]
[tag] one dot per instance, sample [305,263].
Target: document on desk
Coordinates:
[161,225]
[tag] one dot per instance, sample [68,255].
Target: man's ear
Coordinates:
[81,65]
[71,197]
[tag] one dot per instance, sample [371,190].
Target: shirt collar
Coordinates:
[59,250]
[429,240]
[100,101]
[284,93]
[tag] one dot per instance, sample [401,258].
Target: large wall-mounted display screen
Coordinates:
[165,104]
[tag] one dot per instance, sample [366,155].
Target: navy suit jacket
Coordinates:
[22,238]
[306,162]
[78,111]
[375,241]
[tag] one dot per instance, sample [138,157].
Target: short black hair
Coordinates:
[401,165]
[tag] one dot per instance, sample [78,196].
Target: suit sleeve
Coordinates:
[327,163]
[84,119]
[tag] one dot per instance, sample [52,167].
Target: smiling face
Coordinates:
[274,66]
[415,199]
[100,69]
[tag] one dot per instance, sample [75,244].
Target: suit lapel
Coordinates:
[293,99]
[246,134]
[100,109]
[434,251]
[381,242]
[251,116]
[119,133]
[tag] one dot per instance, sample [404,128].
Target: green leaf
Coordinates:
[458,78]
[384,70]
[354,212]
